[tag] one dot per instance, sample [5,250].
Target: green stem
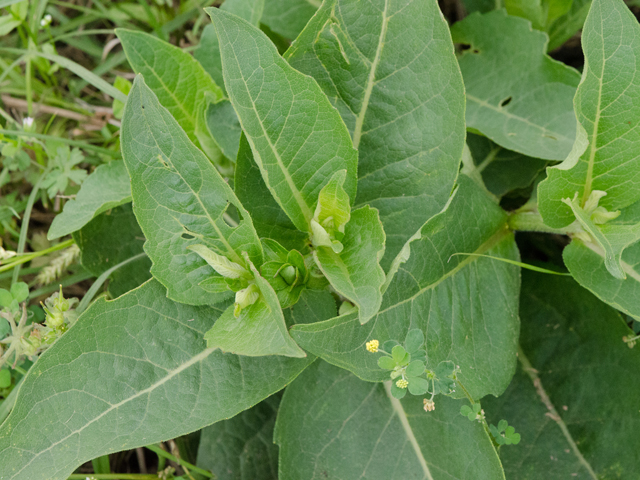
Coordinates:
[28,84]
[24,228]
[484,421]
[84,303]
[101,465]
[167,455]
[24,258]
[532,222]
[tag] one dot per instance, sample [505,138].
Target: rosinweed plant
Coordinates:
[381,162]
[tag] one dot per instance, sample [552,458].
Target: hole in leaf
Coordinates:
[232,216]
[187,236]
[506,101]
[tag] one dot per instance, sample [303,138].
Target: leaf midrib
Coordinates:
[402,416]
[357,133]
[189,117]
[555,416]
[593,141]
[306,211]
[222,238]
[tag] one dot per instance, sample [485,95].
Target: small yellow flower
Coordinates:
[429,405]
[402,383]
[372,346]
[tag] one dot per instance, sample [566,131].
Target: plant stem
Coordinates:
[484,421]
[156,449]
[28,83]
[101,465]
[24,258]
[24,228]
[532,222]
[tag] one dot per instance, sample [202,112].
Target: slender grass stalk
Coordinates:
[27,257]
[24,228]
[84,303]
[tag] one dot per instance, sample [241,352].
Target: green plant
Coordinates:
[349,217]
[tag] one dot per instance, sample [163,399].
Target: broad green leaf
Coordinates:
[333,425]
[609,240]
[106,188]
[607,105]
[297,137]
[179,81]
[573,400]
[179,200]
[355,272]
[224,127]
[208,51]
[465,305]
[268,218]
[516,95]
[130,372]
[242,447]
[112,238]
[401,97]
[288,17]
[502,170]
[260,328]
[567,25]
[586,262]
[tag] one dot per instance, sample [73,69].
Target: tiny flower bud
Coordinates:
[429,405]
[373,346]
[28,124]
[288,273]
[46,21]
[245,297]
[402,383]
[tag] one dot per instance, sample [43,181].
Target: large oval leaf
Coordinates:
[180,200]
[106,188]
[131,372]
[401,97]
[607,105]
[297,137]
[333,425]
[516,95]
[177,79]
